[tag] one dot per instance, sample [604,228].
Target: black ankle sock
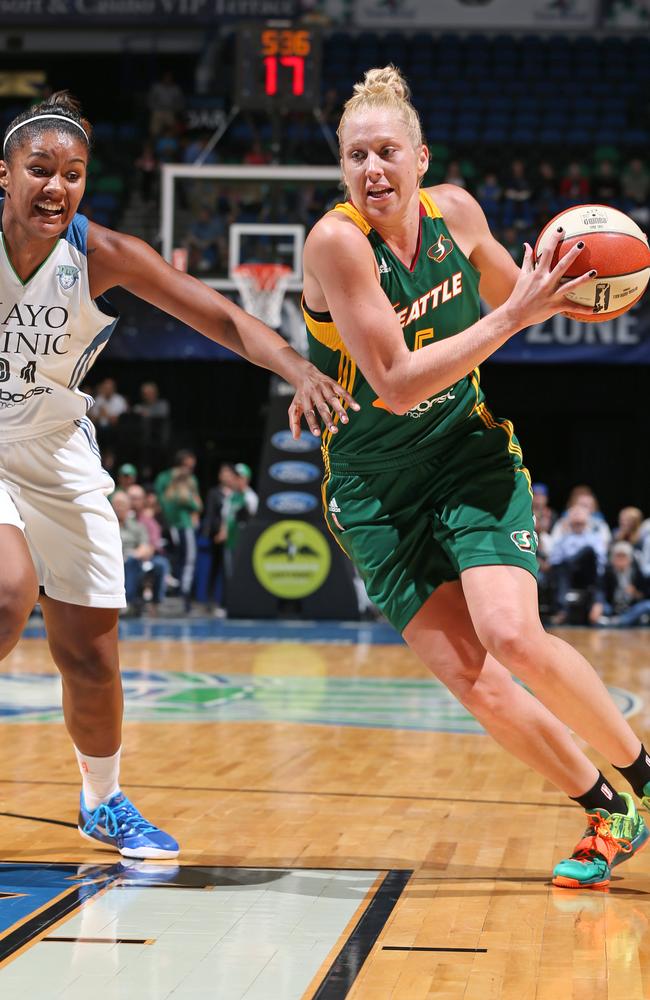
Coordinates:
[637,774]
[602,796]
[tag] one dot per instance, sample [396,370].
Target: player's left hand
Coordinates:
[321,396]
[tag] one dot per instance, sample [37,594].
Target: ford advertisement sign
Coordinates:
[284,441]
[294,472]
[291,502]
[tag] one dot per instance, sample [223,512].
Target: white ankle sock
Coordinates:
[100,776]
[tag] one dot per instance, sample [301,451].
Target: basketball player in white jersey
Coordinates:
[58,532]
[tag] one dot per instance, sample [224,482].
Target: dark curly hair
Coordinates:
[61,104]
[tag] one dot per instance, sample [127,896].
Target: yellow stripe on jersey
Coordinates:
[347,208]
[507,427]
[324,332]
[421,336]
[346,376]
[430,206]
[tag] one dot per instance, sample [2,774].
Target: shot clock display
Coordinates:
[277,68]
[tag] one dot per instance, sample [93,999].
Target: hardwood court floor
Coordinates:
[480,831]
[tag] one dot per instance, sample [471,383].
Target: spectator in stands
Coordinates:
[454,174]
[256,155]
[147,167]
[166,103]
[489,194]
[511,240]
[145,514]
[194,147]
[167,146]
[517,198]
[154,416]
[605,184]
[623,596]
[577,556]
[151,406]
[517,187]
[107,409]
[545,516]
[546,193]
[546,185]
[136,552]
[180,501]
[629,530]
[127,475]
[584,496]
[574,186]
[206,242]
[643,554]
[240,504]
[214,529]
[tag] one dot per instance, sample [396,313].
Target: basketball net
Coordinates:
[262,288]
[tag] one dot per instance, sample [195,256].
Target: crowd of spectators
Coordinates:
[178,545]
[591,574]
[519,199]
[142,428]
[165,526]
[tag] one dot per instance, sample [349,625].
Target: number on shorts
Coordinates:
[5,370]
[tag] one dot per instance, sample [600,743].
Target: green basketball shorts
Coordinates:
[428,517]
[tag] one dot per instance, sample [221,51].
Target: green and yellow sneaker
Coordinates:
[609,839]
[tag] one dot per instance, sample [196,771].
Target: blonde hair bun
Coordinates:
[383,82]
[384,87]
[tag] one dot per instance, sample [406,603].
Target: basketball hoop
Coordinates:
[262,288]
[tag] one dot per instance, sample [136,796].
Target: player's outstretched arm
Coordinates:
[339,258]
[118,259]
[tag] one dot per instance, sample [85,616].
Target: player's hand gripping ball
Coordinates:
[615,248]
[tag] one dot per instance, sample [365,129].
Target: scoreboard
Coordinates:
[278,69]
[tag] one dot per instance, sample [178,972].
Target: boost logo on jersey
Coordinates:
[8,399]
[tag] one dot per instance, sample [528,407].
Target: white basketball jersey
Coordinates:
[51,331]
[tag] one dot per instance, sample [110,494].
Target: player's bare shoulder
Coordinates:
[463,215]
[454,201]
[335,241]
[332,231]
[113,257]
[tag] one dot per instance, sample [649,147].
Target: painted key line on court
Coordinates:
[130,929]
[382,703]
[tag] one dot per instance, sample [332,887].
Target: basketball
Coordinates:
[615,247]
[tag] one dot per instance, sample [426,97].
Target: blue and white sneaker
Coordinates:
[119,824]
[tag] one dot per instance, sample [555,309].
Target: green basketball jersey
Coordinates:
[436,298]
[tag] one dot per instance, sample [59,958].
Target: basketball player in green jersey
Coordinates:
[425,490]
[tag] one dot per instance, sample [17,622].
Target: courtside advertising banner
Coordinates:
[498,14]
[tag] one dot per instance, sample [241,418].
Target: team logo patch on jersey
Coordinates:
[441,249]
[67,275]
[526,541]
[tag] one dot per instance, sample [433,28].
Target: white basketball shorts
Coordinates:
[55,489]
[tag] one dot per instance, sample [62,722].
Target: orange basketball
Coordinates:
[614,246]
